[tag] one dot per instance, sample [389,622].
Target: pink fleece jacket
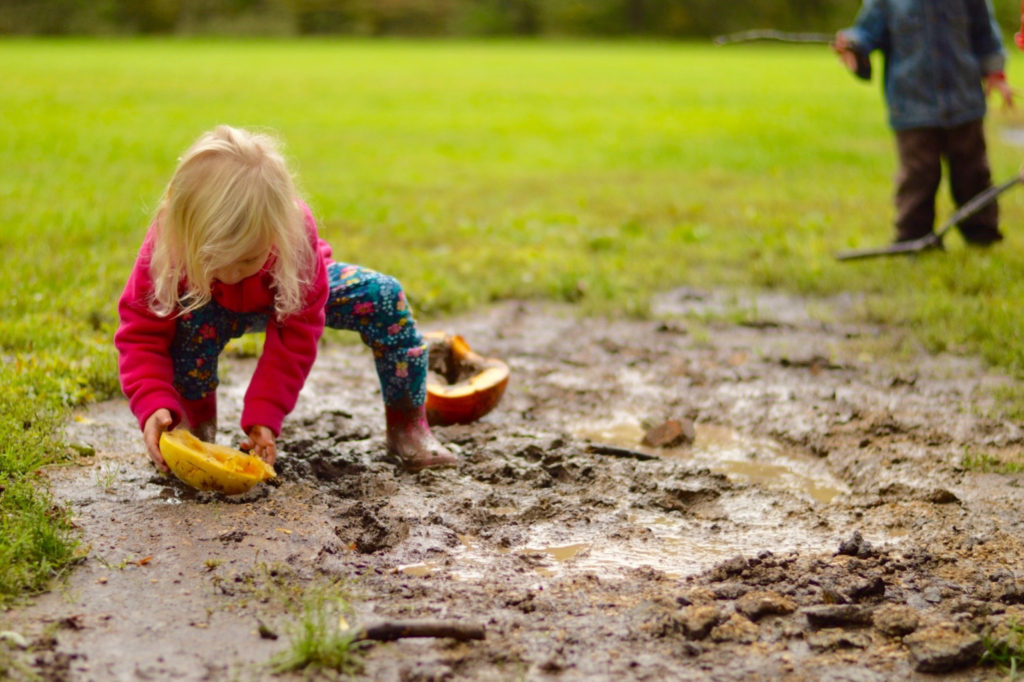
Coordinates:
[143,341]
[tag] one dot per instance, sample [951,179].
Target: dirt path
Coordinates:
[821,526]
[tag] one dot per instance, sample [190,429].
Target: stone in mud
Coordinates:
[657,619]
[696,595]
[756,605]
[737,628]
[697,621]
[834,639]
[895,620]
[837,616]
[1005,587]
[943,647]
[941,496]
[671,433]
[864,587]
[730,590]
[856,546]
[728,568]
[966,608]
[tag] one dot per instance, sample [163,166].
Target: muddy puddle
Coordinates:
[820,524]
[744,459]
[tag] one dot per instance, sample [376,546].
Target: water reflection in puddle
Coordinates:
[566,552]
[677,545]
[419,570]
[756,461]
[473,559]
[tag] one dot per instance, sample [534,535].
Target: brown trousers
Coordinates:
[921,151]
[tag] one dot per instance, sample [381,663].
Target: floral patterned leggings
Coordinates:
[360,299]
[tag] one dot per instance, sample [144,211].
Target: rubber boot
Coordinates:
[201,416]
[411,441]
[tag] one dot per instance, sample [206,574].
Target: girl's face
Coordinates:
[247,265]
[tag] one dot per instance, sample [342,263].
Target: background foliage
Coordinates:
[661,18]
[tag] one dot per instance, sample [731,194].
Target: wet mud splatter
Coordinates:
[818,522]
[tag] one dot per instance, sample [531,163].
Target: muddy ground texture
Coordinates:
[821,526]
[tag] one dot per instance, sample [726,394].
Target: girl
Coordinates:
[232,249]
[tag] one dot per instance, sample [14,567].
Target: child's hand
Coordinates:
[260,442]
[842,47]
[997,81]
[157,423]
[856,60]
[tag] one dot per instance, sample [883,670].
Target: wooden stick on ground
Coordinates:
[615,451]
[389,631]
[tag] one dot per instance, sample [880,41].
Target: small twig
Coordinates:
[615,451]
[391,630]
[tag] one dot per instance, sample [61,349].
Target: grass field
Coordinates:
[590,172]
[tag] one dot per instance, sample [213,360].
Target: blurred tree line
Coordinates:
[653,18]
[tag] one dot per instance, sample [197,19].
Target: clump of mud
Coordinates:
[818,523]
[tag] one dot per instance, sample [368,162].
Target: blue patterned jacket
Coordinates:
[936,53]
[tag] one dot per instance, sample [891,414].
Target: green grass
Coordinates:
[988,463]
[596,173]
[320,637]
[1005,649]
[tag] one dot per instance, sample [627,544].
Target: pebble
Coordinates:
[756,605]
[942,648]
[856,545]
[895,620]
[832,639]
[736,629]
[837,615]
[670,434]
[698,620]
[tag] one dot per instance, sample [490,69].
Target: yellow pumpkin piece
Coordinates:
[463,385]
[207,466]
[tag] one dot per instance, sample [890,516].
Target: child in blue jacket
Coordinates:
[941,61]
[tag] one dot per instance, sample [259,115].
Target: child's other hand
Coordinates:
[997,81]
[260,442]
[157,423]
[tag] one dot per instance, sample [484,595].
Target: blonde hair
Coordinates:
[231,194]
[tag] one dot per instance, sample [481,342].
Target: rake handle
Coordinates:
[934,240]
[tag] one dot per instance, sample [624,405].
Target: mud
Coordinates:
[820,526]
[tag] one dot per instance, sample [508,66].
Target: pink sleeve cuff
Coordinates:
[260,412]
[143,407]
